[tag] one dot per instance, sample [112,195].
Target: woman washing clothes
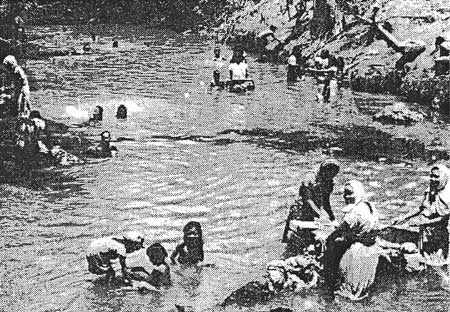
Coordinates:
[354,235]
[314,194]
[434,213]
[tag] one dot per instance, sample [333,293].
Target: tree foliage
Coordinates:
[178,14]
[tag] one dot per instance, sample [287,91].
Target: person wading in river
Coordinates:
[218,65]
[314,195]
[190,251]
[104,250]
[18,100]
[238,67]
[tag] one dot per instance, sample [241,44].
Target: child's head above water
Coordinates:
[157,254]
[192,229]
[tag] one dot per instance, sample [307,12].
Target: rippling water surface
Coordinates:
[162,179]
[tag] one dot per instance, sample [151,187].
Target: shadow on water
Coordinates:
[354,142]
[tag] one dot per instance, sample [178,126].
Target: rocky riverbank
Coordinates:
[388,46]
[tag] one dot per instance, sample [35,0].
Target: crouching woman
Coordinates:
[355,235]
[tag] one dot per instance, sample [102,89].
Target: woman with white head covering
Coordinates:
[18,87]
[359,221]
[434,212]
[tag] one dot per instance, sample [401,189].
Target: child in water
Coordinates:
[190,251]
[153,269]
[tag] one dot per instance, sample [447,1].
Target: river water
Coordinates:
[184,163]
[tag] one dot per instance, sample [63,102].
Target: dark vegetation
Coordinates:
[176,14]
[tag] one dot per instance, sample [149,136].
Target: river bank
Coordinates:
[372,36]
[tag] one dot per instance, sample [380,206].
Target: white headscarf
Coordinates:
[358,193]
[361,213]
[442,203]
[10,60]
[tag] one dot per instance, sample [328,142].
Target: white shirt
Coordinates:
[218,63]
[106,244]
[292,60]
[239,71]
[140,259]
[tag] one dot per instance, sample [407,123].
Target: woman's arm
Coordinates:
[175,253]
[430,221]
[400,220]
[327,207]
[123,266]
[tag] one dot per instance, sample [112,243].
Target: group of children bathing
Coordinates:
[143,267]
[356,233]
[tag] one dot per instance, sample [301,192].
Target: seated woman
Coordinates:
[434,212]
[239,73]
[354,233]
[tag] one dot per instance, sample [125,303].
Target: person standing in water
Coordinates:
[18,100]
[104,148]
[323,63]
[295,65]
[314,193]
[190,251]
[103,251]
[218,66]
[238,67]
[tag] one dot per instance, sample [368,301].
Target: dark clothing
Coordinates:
[319,193]
[335,247]
[292,73]
[188,255]
[155,278]
[101,263]
[434,237]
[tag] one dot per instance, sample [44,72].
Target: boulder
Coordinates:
[399,114]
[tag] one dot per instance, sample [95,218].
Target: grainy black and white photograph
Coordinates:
[224,155]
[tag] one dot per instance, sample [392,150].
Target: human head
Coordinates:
[324,54]
[133,240]
[157,254]
[238,56]
[105,136]
[35,114]
[276,273]
[439,40]
[217,52]
[114,151]
[121,112]
[10,62]
[296,50]
[354,192]
[192,232]
[328,169]
[439,176]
